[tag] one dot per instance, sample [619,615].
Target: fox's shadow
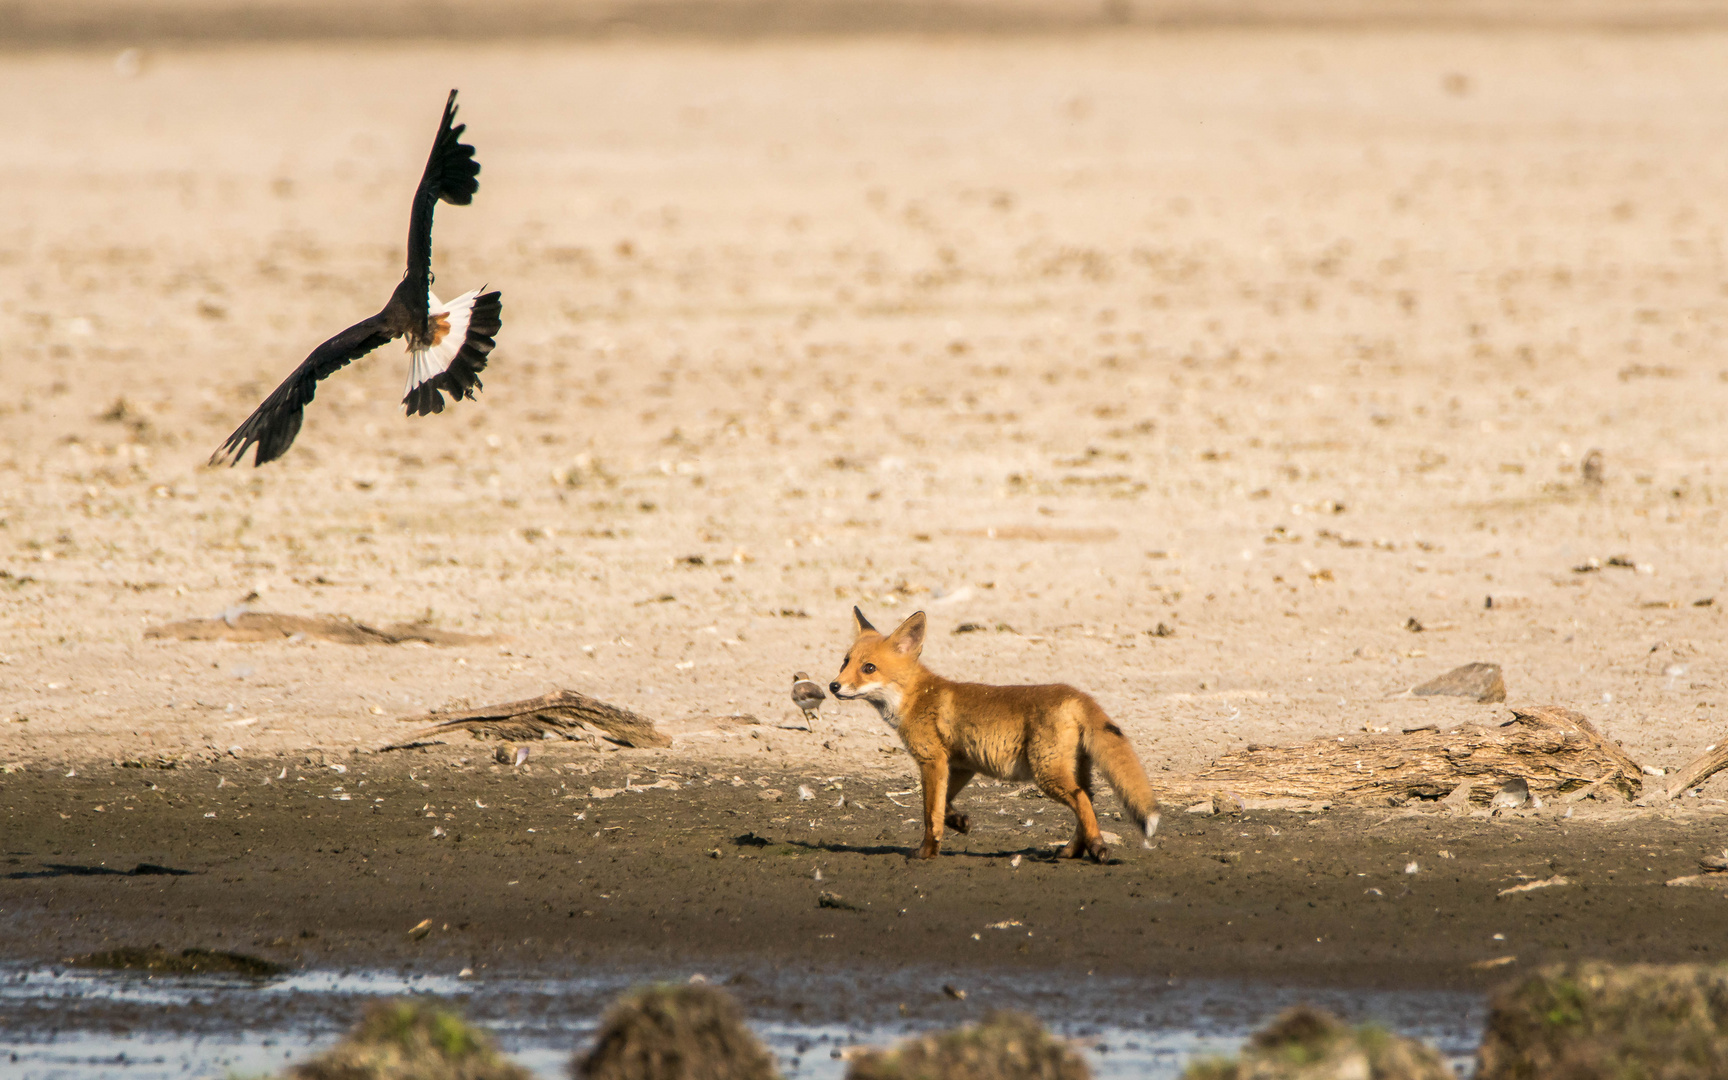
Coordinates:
[1043,855]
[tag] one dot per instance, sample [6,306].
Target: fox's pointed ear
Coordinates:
[908,637]
[860,623]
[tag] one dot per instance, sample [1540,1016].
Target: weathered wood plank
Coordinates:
[1555,750]
[562,712]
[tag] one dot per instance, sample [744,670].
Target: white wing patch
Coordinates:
[428,364]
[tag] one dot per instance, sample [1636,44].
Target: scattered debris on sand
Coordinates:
[1715,875]
[1505,601]
[1531,886]
[563,713]
[1039,533]
[1494,962]
[1554,751]
[1702,881]
[159,961]
[1482,682]
[267,626]
[1006,1046]
[1596,1020]
[1304,1043]
[834,900]
[675,1033]
[401,1040]
[1701,768]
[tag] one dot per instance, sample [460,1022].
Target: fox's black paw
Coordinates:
[959,822]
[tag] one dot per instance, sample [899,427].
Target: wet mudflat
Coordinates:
[417,863]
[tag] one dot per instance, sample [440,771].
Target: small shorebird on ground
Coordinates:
[808,696]
[448,342]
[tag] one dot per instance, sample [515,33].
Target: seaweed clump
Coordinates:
[675,1033]
[1304,1043]
[405,1040]
[1006,1046]
[159,961]
[1594,1020]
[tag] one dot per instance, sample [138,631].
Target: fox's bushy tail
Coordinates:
[1114,756]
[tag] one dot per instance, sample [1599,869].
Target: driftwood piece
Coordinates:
[1480,681]
[562,712]
[1700,769]
[266,626]
[1554,750]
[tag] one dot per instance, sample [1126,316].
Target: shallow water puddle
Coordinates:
[64,1024]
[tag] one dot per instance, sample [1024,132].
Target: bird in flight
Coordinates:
[448,341]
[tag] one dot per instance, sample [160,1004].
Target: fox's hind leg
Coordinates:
[957,779]
[1087,839]
[1066,789]
[1063,770]
[1084,812]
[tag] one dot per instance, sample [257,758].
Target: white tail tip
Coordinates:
[1151,827]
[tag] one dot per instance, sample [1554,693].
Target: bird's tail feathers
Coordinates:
[452,364]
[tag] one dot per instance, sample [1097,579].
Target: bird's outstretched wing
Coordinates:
[452,175]
[273,425]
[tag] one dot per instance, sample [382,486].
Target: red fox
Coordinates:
[1051,735]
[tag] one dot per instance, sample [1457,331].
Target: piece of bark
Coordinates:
[562,712]
[1700,769]
[266,626]
[1480,681]
[1553,750]
[1559,718]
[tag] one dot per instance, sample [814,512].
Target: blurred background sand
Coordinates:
[36,22]
[1277,334]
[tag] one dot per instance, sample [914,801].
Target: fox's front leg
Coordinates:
[934,775]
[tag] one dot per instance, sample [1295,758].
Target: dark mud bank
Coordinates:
[416,863]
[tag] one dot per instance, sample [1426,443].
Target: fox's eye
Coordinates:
[869,669]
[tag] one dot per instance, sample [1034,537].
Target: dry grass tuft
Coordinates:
[675,1033]
[1006,1046]
[405,1040]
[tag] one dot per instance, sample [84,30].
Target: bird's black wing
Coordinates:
[273,425]
[452,175]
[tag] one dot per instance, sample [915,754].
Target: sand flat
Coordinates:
[1282,338]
